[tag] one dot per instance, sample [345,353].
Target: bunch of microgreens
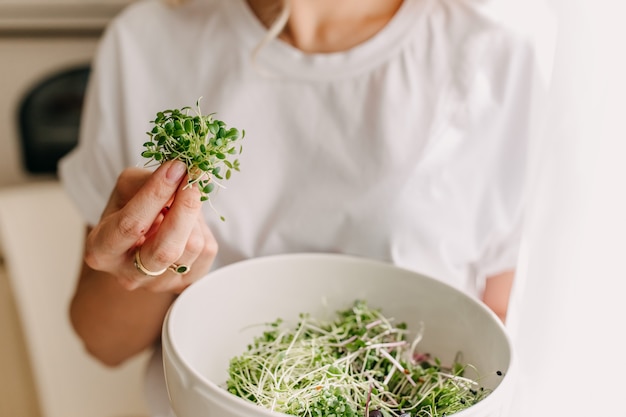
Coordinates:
[206,145]
[359,365]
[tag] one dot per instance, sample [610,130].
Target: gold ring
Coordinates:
[179,269]
[141,268]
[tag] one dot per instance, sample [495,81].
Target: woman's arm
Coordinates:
[114,323]
[497,291]
[117,310]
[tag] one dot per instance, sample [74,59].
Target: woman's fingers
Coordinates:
[172,238]
[198,256]
[135,219]
[205,256]
[130,215]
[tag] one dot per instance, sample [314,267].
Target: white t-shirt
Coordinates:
[410,148]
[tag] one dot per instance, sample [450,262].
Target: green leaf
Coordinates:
[207,189]
[232,133]
[188,126]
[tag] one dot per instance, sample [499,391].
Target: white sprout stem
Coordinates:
[219,184]
[212,206]
[382,334]
[422,397]
[373,324]
[347,358]
[345,342]
[198,111]
[459,378]
[392,371]
[311,326]
[387,321]
[295,336]
[397,365]
[368,399]
[386,345]
[265,374]
[417,339]
[390,399]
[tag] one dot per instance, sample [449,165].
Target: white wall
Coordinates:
[569,303]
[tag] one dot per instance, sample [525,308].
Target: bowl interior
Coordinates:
[217,317]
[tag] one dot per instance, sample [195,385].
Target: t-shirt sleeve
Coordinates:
[519,71]
[90,170]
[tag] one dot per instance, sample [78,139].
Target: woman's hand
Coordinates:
[157,217]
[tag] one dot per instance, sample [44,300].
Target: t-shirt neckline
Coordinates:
[280,59]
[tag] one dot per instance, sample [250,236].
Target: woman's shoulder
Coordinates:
[484,33]
[148,8]
[156,17]
[510,22]
[158,28]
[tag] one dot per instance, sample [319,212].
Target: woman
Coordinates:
[395,130]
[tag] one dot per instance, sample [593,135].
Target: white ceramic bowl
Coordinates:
[211,322]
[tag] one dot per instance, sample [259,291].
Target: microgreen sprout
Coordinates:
[358,365]
[206,146]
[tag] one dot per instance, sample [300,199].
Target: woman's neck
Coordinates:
[328,25]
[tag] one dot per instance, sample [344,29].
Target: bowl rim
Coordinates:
[169,347]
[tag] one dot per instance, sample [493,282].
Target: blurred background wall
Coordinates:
[568,304]
[39,39]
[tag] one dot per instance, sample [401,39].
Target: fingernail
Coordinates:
[176,171]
